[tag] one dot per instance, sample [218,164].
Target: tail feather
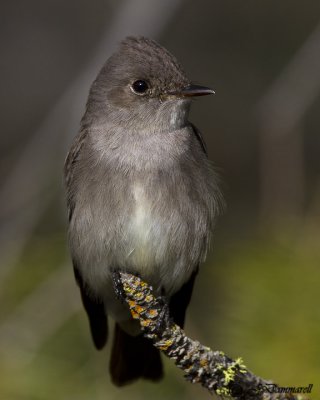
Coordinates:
[133,357]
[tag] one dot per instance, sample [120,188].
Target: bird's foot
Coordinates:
[164,320]
[118,286]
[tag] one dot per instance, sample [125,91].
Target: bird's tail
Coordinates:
[133,357]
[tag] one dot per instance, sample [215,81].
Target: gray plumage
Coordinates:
[142,194]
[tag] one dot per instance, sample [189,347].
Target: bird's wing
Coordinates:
[96,313]
[180,300]
[94,308]
[69,164]
[199,138]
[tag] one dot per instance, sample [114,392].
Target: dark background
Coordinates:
[257,294]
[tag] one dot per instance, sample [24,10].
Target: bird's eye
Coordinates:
[140,86]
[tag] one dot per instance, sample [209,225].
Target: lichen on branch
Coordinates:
[227,378]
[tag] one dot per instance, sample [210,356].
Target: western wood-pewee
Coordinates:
[142,196]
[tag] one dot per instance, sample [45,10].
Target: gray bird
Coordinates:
[142,196]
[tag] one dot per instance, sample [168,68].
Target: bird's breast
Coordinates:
[141,233]
[141,219]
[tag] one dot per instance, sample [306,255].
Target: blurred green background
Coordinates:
[257,294]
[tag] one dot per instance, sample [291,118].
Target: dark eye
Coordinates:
[140,86]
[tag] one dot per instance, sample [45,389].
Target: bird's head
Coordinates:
[143,87]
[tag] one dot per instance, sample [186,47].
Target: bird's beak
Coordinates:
[191,91]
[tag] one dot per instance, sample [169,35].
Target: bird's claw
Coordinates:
[163,319]
[118,285]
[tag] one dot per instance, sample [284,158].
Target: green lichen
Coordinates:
[239,363]
[223,392]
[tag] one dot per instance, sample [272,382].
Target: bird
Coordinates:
[142,197]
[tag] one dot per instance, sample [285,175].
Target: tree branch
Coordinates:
[227,378]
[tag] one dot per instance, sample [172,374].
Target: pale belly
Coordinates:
[156,239]
[144,230]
